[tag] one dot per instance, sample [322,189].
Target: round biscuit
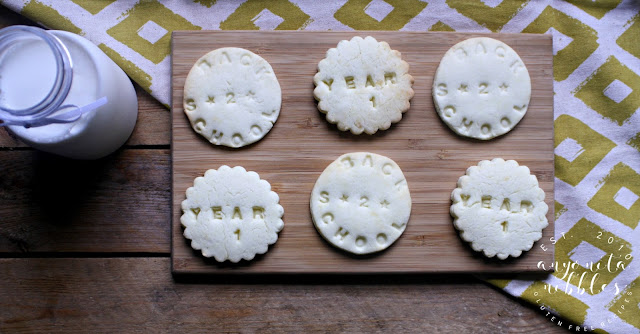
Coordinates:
[232,97]
[481,88]
[361,203]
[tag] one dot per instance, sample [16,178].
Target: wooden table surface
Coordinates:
[84,246]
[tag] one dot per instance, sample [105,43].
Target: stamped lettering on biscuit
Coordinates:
[361,203]
[363,86]
[232,97]
[499,208]
[231,214]
[493,88]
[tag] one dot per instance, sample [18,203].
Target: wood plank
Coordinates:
[154,122]
[131,295]
[302,144]
[116,204]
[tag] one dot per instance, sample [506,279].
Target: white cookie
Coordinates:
[499,208]
[361,203]
[363,85]
[232,97]
[481,88]
[231,214]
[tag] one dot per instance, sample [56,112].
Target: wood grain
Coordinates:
[302,144]
[154,122]
[139,295]
[116,204]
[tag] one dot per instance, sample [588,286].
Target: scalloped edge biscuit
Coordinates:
[231,214]
[498,207]
[362,85]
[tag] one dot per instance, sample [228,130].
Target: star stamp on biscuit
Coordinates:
[363,85]
[361,203]
[231,214]
[499,208]
[232,97]
[481,88]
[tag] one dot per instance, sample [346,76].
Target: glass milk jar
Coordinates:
[61,94]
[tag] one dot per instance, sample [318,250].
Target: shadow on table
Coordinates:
[62,187]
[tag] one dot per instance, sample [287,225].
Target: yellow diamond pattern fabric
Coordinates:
[596,46]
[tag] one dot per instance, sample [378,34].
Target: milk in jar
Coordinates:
[61,94]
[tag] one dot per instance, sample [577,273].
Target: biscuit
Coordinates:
[232,97]
[361,203]
[231,214]
[499,208]
[481,88]
[363,86]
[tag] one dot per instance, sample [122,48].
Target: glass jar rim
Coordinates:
[63,79]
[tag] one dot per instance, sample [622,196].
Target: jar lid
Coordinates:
[35,73]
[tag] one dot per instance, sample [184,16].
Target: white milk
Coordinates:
[22,86]
[27,73]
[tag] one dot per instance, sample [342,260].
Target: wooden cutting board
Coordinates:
[302,143]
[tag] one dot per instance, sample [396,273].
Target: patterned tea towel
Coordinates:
[596,46]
